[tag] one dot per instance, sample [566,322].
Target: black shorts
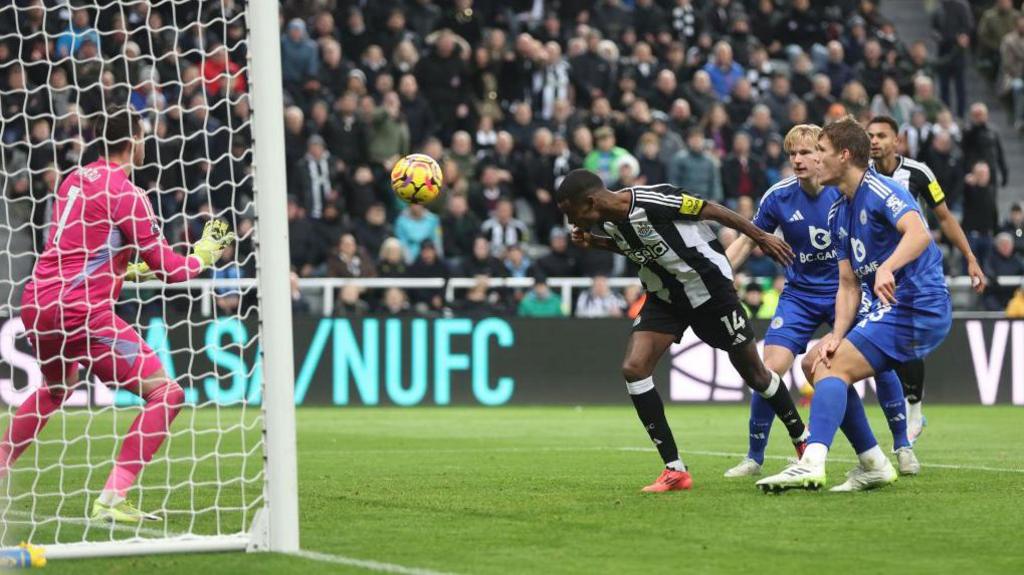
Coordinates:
[720,322]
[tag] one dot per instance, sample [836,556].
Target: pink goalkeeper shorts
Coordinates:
[104,343]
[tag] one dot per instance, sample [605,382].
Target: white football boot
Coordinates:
[860,479]
[746,468]
[916,421]
[907,462]
[795,476]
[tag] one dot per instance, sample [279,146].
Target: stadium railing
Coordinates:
[323,289]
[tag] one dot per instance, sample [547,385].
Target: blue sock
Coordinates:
[761,417]
[889,390]
[855,423]
[827,410]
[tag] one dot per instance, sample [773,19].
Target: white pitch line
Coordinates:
[646,449]
[837,459]
[364,563]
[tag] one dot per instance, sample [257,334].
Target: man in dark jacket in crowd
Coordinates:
[1002,262]
[442,77]
[459,226]
[982,143]
[561,262]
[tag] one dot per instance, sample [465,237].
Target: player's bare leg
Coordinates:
[31,417]
[769,386]
[643,351]
[164,399]
[837,404]
[778,359]
[890,397]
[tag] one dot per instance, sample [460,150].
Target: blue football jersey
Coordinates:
[803,220]
[866,235]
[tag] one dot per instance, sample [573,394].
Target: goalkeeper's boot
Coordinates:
[861,479]
[122,512]
[795,476]
[907,461]
[670,480]
[746,468]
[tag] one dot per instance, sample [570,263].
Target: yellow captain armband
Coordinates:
[936,191]
[691,206]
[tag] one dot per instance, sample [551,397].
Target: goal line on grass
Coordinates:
[140,531]
[365,563]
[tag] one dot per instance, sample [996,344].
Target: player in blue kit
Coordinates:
[798,207]
[882,240]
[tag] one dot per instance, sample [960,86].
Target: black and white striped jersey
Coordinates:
[680,258]
[919,179]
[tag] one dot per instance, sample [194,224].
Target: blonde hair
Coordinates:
[801,132]
[392,245]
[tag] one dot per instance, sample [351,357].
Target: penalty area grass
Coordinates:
[556,489]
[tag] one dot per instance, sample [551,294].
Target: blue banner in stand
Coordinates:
[493,361]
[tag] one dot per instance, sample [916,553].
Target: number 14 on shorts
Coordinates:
[735,322]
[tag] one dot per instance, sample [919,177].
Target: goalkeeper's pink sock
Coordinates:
[26,425]
[145,437]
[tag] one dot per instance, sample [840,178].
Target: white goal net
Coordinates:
[184,66]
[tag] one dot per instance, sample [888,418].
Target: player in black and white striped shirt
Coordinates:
[689,285]
[922,184]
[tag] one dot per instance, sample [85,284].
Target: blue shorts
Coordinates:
[798,316]
[891,335]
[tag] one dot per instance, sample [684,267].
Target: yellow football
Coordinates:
[416,179]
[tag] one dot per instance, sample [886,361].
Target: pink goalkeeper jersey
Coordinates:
[100,219]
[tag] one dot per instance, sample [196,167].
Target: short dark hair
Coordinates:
[888,121]
[117,127]
[577,185]
[847,134]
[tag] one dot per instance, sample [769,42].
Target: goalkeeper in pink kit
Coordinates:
[101,220]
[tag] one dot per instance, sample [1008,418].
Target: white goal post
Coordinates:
[282,519]
[225,478]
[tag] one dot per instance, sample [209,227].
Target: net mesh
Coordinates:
[182,64]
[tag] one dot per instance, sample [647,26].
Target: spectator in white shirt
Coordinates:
[503,229]
[600,301]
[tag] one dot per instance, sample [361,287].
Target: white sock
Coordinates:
[914,411]
[772,387]
[676,465]
[815,454]
[110,498]
[872,459]
[641,386]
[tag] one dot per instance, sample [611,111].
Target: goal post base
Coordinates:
[256,541]
[127,547]
[259,532]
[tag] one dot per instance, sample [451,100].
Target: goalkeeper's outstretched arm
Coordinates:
[138,223]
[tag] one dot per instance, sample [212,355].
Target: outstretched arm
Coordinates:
[955,234]
[772,245]
[738,251]
[136,221]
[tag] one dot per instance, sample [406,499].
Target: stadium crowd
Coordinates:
[509,96]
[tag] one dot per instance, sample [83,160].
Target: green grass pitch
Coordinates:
[556,489]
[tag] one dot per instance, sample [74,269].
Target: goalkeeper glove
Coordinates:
[138,273]
[211,245]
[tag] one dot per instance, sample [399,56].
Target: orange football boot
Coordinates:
[670,480]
